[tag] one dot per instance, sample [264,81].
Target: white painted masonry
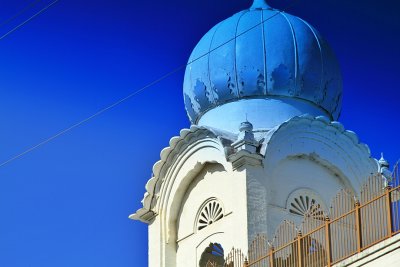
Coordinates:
[309,155]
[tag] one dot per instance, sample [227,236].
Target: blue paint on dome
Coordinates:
[262,53]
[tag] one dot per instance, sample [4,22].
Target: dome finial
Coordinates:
[258,4]
[383,162]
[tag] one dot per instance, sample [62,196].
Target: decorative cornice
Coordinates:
[187,137]
[322,122]
[323,141]
[167,157]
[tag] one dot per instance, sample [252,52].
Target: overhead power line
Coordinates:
[90,117]
[29,19]
[101,111]
[22,11]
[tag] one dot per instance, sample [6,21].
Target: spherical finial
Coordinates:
[259,4]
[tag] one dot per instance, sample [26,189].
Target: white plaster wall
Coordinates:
[294,174]
[306,153]
[229,188]
[177,179]
[155,243]
[291,174]
[326,143]
[199,171]
[310,154]
[257,204]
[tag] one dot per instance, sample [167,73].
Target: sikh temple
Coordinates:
[266,175]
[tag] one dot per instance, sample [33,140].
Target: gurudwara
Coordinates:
[266,175]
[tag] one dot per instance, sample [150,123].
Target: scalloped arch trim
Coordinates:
[324,141]
[167,158]
[322,122]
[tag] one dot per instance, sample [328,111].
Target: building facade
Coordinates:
[263,92]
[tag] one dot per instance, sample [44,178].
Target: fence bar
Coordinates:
[328,241]
[271,257]
[299,250]
[358,226]
[389,209]
[347,233]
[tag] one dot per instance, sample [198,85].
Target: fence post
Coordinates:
[328,241]
[388,209]
[358,226]
[246,262]
[299,249]
[271,256]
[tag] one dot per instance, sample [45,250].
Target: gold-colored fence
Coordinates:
[352,226]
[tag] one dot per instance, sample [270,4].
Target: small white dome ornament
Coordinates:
[245,148]
[384,170]
[246,140]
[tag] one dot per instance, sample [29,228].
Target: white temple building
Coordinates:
[263,91]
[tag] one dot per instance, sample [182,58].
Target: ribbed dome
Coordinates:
[275,56]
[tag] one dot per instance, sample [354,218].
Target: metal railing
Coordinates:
[353,226]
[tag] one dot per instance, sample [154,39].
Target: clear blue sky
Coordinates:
[67,203]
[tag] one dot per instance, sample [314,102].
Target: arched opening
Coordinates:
[212,256]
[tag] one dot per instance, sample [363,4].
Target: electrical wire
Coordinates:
[90,117]
[101,111]
[22,11]
[28,20]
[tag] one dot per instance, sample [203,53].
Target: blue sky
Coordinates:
[67,203]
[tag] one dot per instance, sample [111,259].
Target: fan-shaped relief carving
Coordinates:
[210,212]
[306,203]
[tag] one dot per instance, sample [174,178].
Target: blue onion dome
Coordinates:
[264,63]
